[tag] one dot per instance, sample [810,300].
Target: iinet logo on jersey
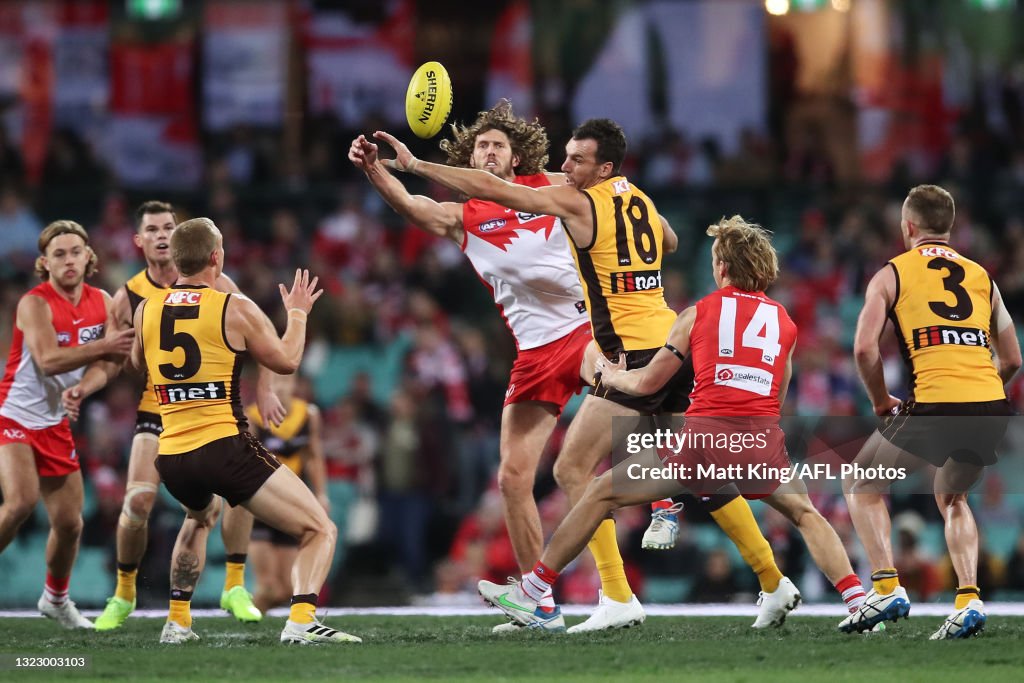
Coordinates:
[182,298]
[190,391]
[938,335]
[754,380]
[636,281]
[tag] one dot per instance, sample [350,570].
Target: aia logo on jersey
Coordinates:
[491,226]
[939,335]
[182,298]
[941,252]
[190,391]
[527,217]
[63,338]
[90,334]
[620,186]
[636,281]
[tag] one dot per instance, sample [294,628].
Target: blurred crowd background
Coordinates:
[812,117]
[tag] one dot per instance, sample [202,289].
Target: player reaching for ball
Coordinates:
[543,308]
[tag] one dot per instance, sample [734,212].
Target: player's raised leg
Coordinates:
[287,504]
[187,562]
[133,523]
[62,496]
[612,490]
[587,443]
[236,529]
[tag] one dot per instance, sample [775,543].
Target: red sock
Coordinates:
[56,590]
[538,583]
[663,504]
[852,592]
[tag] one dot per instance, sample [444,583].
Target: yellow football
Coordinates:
[428,102]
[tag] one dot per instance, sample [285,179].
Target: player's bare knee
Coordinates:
[67,526]
[19,508]
[514,480]
[570,476]
[139,498]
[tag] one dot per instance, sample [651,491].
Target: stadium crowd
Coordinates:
[408,358]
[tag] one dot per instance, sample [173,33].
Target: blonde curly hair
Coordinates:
[747,249]
[55,229]
[528,139]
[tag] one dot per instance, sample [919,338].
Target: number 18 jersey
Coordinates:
[942,316]
[740,342]
[194,370]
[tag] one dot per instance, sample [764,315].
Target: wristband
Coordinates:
[299,311]
[412,165]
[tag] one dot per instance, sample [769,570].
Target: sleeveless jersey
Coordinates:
[621,269]
[139,288]
[942,316]
[740,343]
[195,372]
[29,397]
[289,439]
[524,260]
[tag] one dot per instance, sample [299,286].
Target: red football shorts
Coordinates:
[550,373]
[53,447]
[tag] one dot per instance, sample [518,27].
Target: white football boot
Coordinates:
[520,607]
[65,614]
[963,623]
[775,606]
[314,633]
[175,634]
[876,609]
[612,614]
[661,534]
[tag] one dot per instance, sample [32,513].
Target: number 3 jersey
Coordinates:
[740,342]
[193,369]
[942,316]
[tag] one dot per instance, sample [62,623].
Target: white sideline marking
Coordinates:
[933,609]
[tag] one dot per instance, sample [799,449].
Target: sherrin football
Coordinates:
[428,102]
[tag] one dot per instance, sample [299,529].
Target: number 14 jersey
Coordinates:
[942,316]
[193,369]
[740,342]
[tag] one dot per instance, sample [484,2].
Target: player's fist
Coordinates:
[889,407]
[71,399]
[118,343]
[362,153]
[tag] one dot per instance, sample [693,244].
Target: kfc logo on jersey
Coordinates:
[491,226]
[527,217]
[90,334]
[938,251]
[938,335]
[182,298]
[63,338]
[620,186]
[190,391]
[636,281]
[754,380]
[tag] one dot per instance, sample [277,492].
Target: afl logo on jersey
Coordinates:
[90,334]
[182,298]
[63,338]
[491,226]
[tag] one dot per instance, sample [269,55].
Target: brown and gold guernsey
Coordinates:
[139,288]
[621,269]
[289,439]
[942,315]
[194,370]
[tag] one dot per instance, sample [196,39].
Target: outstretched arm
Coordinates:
[663,366]
[443,219]
[564,201]
[249,328]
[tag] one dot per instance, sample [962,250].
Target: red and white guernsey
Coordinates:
[524,259]
[740,343]
[29,397]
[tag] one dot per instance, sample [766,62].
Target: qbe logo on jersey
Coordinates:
[754,380]
[90,334]
[182,298]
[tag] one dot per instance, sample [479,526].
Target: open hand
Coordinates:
[303,293]
[404,160]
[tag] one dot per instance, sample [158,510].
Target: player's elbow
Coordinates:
[1008,367]
[864,352]
[50,366]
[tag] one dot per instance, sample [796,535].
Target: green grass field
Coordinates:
[708,649]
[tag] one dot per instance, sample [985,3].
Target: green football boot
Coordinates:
[114,614]
[238,602]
